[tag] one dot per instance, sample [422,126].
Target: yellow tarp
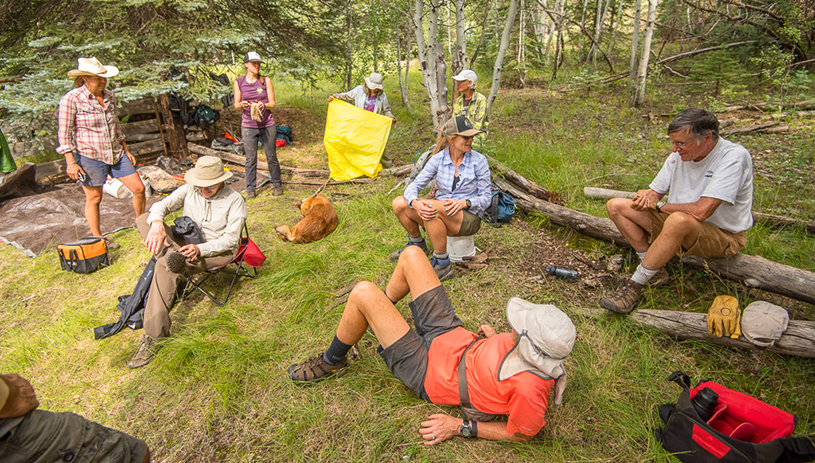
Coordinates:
[354,139]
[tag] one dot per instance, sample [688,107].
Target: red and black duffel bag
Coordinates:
[740,428]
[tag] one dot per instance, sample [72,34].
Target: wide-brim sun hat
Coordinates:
[375,81]
[545,338]
[92,67]
[208,171]
[467,74]
[460,126]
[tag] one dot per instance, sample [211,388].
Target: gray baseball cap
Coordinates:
[763,323]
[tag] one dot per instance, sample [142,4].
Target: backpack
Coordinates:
[284,133]
[205,116]
[502,207]
[131,305]
[741,429]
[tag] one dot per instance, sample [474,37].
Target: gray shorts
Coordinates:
[433,315]
[44,436]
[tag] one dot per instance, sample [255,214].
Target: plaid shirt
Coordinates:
[90,128]
[476,112]
[473,174]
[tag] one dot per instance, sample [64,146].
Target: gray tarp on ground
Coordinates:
[41,221]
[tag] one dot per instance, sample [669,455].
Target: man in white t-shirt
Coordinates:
[710,181]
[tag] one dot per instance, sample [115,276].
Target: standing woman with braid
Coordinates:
[255,94]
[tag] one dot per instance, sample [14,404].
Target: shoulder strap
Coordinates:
[464,395]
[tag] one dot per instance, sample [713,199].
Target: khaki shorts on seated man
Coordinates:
[219,211]
[505,374]
[38,436]
[710,182]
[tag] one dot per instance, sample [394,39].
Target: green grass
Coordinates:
[218,390]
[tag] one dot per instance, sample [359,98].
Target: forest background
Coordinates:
[586,90]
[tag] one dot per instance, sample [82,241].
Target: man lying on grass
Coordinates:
[506,374]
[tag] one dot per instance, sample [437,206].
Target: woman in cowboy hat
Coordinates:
[254,94]
[370,96]
[219,211]
[92,141]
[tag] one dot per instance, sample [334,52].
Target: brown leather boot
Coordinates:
[626,298]
[661,278]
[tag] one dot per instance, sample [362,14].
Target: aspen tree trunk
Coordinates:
[600,18]
[427,59]
[441,84]
[642,71]
[348,59]
[403,82]
[502,51]
[559,39]
[635,38]
[614,27]
[460,56]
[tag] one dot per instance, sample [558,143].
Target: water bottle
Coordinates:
[562,272]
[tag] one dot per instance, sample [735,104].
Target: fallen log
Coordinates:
[774,220]
[753,271]
[799,339]
[752,128]
[526,185]
[262,165]
[758,106]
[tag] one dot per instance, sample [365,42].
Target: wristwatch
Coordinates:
[466,429]
[658,207]
[469,204]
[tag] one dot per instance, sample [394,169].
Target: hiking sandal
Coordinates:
[314,369]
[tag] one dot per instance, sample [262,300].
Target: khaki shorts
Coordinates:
[712,241]
[44,436]
[470,224]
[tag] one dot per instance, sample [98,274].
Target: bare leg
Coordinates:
[134,184]
[368,305]
[438,229]
[634,225]
[93,196]
[680,230]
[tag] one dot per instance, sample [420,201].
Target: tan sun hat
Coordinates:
[208,171]
[763,323]
[545,338]
[92,67]
[375,81]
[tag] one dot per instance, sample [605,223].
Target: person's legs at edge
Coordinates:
[269,136]
[250,138]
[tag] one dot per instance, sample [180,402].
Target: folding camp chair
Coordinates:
[246,261]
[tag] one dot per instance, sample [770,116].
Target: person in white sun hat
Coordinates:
[370,96]
[91,139]
[471,104]
[441,362]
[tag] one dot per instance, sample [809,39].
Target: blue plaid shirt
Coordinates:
[474,180]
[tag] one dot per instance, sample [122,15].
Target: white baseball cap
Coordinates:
[467,74]
[763,323]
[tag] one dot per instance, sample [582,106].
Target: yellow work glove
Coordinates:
[723,318]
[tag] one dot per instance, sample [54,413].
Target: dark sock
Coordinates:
[336,352]
[443,259]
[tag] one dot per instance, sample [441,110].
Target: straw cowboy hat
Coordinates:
[545,338]
[92,67]
[375,81]
[208,171]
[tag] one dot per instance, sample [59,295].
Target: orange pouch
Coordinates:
[84,256]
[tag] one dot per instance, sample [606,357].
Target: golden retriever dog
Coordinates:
[319,220]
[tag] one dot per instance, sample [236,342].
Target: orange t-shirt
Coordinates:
[524,396]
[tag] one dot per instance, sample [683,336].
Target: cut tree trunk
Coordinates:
[524,184]
[753,271]
[798,339]
[752,128]
[775,220]
[758,106]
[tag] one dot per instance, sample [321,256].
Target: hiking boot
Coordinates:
[144,354]
[277,190]
[249,194]
[176,263]
[626,298]
[110,244]
[444,272]
[314,369]
[395,254]
[661,278]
